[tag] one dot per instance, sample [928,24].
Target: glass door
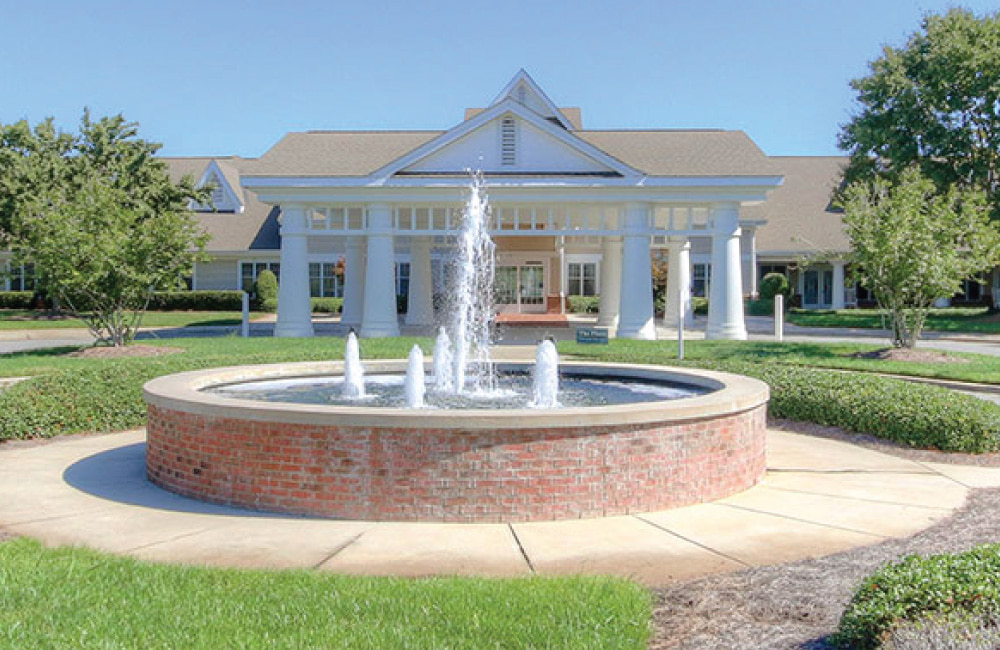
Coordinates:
[519,289]
[532,288]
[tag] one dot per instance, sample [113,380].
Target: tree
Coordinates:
[934,103]
[912,244]
[98,217]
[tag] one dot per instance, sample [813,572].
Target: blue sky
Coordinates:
[220,78]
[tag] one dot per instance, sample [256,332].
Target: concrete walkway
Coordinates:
[819,496]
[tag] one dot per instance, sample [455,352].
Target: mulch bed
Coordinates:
[908,354]
[109,352]
[799,605]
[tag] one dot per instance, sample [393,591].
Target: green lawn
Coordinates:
[20,319]
[978,368]
[954,319]
[75,598]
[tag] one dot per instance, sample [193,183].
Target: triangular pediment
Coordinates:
[523,90]
[224,197]
[508,139]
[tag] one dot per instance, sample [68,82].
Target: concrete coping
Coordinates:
[184,392]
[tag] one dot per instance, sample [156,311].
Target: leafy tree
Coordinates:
[934,103]
[912,244]
[99,217]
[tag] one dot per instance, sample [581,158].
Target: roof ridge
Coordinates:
[367,131]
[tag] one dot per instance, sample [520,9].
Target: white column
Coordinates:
[753,262]
[294,306]
[354,282]
[838,285]
[725,300]
[378,315]
[611,283]
[678,279]
[636,307]
[420,302]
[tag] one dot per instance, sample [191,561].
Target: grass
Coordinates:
[74,598]
[23,319]
[954,319]
[978,367]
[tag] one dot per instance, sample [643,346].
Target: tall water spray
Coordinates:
[354,377]
[546,384]
[444,368]
[414,383]
[472,312]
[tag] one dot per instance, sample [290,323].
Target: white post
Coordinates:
[678,280]
[681,294]
[294,305]
[378,318]
[611,284]
[754,290]
[354,282]
[245,328]
[636,309]
[779,318]
[838,285]
[420,302]
[562,276]
[725,300]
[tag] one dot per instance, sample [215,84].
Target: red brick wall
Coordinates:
[454,475]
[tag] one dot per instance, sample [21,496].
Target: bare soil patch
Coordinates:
[908,354]
[799,605]
[108,352]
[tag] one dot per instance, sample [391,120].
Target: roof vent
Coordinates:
[508,141]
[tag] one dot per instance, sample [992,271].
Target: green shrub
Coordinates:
[266,290]
[17,300]
[584,304]
[327,305]
[699,306]
[197,301]
[920,588]
[916,415]
[760,307]
[774,284]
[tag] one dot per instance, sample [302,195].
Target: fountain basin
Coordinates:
[462,466]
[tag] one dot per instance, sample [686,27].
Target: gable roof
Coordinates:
[800,217]
[523,89]
[256,228]
[571,113]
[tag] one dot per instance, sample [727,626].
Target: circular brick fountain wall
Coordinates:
[461,466]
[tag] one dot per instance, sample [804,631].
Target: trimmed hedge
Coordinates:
[17,299]
[197,301]
[916,415]
[918,589]
[266,290]
[327,305]
[584,304]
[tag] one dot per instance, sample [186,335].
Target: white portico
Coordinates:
[560,196]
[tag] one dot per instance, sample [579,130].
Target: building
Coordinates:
[371,215]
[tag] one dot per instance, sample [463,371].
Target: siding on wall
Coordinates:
[217,275]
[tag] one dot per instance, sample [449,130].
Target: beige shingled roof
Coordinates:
[799,216]
[657,153]
[684,153]
[256,228]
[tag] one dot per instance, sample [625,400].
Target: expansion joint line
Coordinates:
[520,547]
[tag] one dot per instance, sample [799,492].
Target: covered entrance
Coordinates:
[520,289]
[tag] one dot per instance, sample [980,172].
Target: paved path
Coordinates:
[819,496]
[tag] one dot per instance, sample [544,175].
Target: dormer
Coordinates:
[224,196]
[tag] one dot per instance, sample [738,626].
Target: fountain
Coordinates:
[414,383]
[500,442]
[354,377]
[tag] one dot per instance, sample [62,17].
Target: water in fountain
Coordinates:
[414,382]
[443,368]
[354,376]
[471,327]
[546,384]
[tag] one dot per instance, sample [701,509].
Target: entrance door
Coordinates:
[520,289]
[817,288]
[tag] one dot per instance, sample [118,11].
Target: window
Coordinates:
[508,141]
[324,281]
[701,280]
[22,277]
[582,279]
[402,279]
[972,290]
[773,268]
[250,270]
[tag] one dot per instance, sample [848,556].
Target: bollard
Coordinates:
[245,330]
[779,318]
